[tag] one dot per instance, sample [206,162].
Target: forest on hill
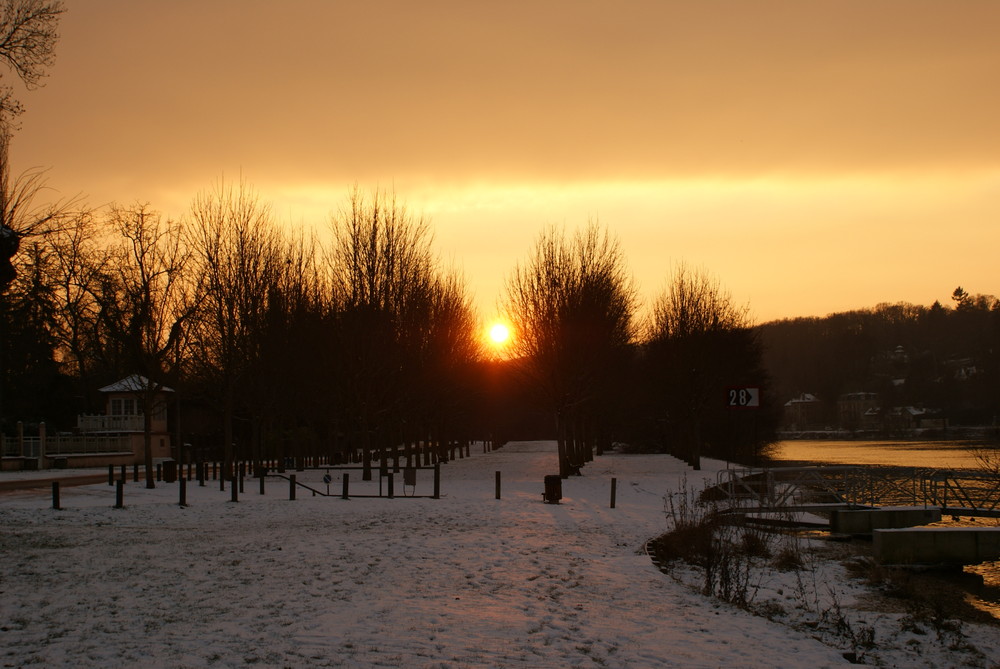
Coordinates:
[941,362]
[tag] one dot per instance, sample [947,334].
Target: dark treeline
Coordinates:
[943,359]
[279,344]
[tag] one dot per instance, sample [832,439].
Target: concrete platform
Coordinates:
[946,546]
[865,521]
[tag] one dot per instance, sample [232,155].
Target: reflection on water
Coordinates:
[984,594]
[930,454]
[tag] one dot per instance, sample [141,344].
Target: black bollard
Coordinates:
[498,485]
[291,487]
[55,494]
[183,493]
[346,478]
[437,480]
[120,495]
[111,474]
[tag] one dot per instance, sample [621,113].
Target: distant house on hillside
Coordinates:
[854,410]
[803,413]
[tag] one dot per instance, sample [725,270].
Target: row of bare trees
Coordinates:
[603,374]
[364,341]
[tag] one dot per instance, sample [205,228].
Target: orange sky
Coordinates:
[814,156]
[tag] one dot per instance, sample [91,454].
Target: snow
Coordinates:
[464,581]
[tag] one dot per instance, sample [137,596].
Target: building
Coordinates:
[116,437]
[803,413]
[123,416]
[854,410]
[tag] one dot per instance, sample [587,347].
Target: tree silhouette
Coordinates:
[572,303]
[238,257]
[383,278]
[27,45]
[145,301]
[699,344]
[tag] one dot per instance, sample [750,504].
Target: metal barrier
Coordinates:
[961,492]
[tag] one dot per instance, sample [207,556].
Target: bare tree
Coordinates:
[383,272]
[146,300]
[27,45]
[22,215]
[699,342]
[238,254]
[573,305]
[79,260]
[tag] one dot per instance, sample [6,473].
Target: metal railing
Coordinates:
[969,491]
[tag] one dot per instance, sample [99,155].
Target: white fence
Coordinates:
[73,444]
[110,423]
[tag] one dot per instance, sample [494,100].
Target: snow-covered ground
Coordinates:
[463,581]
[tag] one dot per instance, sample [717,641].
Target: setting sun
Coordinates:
[499,334]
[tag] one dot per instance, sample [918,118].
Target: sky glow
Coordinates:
[815,157]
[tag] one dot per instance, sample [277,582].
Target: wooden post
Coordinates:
[183,493]
[498,485]
[120,495]
[614,488]
[291,487]
[346,478]
[437,480]
[41,444]
[55,494]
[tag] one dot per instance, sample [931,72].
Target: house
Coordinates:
[116,437]
[854,410]
[803,413]
[123,416]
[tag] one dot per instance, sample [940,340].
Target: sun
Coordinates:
[499,334]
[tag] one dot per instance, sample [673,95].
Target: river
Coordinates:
[928,454]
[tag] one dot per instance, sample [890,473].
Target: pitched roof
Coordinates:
[131,384]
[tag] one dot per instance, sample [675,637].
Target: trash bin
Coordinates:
[553,489]
[170,471]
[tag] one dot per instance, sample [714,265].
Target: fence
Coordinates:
[63,444]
